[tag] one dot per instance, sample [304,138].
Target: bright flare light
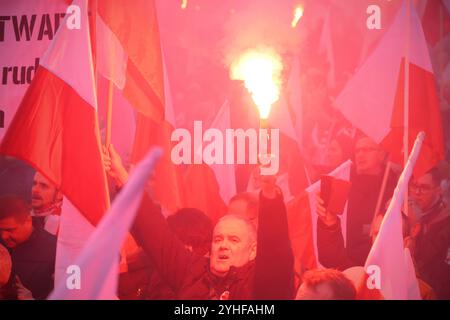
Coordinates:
[261,72]
[298,14]
[184,4]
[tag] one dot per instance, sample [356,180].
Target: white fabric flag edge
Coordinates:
[116,222]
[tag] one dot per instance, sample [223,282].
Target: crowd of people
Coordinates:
[247,253]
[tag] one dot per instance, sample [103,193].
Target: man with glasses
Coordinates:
[431,236]
[366,179]
[366,184]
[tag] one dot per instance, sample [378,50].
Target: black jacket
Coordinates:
[431,249]
[34,262]
[330,247]
[362,202]
[270,276]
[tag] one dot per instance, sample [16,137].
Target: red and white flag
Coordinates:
[373,100]
[167,187]
[26,30]
[129,53]
[55,128]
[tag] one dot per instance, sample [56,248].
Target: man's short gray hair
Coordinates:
[250,226]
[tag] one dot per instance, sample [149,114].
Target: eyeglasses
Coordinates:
[421,188]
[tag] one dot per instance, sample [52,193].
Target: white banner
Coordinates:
[26,29]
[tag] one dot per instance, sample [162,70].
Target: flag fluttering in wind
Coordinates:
[56,131]
[373,100]
[98,262]
[388,259]
[55,128]
[129,53]
[167,186]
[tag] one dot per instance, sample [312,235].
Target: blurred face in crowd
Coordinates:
[15,230]
[243,208]
[320,292]
[368,157]
[43,193]
[425,191]
[234,244]
[334,155]
[240,207]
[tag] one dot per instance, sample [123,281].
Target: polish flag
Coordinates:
[167,186]
[56,131]
[389,269]
[129,53]
[95,276]
[373,99]
[55,128]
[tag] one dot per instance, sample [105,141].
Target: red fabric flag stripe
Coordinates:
[424,115]
[56,131]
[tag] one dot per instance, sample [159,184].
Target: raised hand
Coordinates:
[113,165]
[268,186]
[327,217]
[22,292]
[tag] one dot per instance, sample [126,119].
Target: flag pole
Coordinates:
[382,190]
[406,96]
[109,113]
[93,6]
